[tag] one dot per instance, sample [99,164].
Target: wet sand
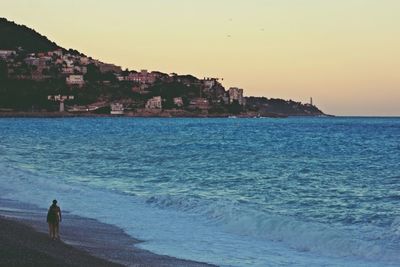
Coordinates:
[24,241]
[21,245]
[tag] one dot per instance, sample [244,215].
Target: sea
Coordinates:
[228,191]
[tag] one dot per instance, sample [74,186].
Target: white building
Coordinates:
[178,101]
[143,76]
[199,103]
[84,61]
[75,80]
[117,109]
[32,61]
[154,103]
[236,94]
[68,61]
[58,53]
[209,83]
[119,77]
[6,53]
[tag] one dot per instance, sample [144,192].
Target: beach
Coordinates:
[21,245]
[84,242]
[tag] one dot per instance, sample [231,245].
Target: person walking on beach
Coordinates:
[54,219]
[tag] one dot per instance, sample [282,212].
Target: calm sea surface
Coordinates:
[234,192]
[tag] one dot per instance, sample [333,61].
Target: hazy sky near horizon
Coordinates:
[343,53]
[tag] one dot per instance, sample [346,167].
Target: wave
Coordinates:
[211,219]
[366,242]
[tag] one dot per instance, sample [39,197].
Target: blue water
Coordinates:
[233,192]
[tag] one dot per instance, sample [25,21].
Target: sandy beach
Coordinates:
[85,242]
[21,245]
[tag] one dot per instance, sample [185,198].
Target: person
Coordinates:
[54,219]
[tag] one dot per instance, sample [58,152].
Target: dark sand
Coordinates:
[21,245]
[24,242]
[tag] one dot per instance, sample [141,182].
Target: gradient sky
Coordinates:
[343,53]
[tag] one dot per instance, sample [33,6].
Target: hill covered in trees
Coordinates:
[14,36]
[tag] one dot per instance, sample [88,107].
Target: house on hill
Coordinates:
[143,77]
[178,101]
[75,80]
[236,94]
[4,54]
[199,103]
[154,103]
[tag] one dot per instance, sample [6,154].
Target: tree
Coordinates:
[3,70]
[93,73]
[235,107]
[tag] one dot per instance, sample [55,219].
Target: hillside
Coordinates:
[280,106]
[14,36]
[32,68]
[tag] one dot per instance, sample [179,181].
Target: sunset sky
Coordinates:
[343,53]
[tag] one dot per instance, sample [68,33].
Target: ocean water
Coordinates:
[232,192]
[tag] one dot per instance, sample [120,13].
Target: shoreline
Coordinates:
[85,239]
[163,114]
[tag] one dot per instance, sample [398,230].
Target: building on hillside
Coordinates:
[140,89]
[132,77]
[209,83]
[142,77]
[69,62]
[4,54]
[80,69]
[59,61]
[44,62]
[75,80]
[236,94]
[119,77]
[32,61]
[154,103]
[178,101]
[199,103]
[58,53]
[67,70]
[117,109]
[84,61]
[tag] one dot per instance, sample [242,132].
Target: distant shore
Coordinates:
[85,242]
[163,114]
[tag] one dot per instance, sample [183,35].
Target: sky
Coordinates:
[343,53]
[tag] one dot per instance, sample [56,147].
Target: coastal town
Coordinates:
[73,68]
[68,81]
